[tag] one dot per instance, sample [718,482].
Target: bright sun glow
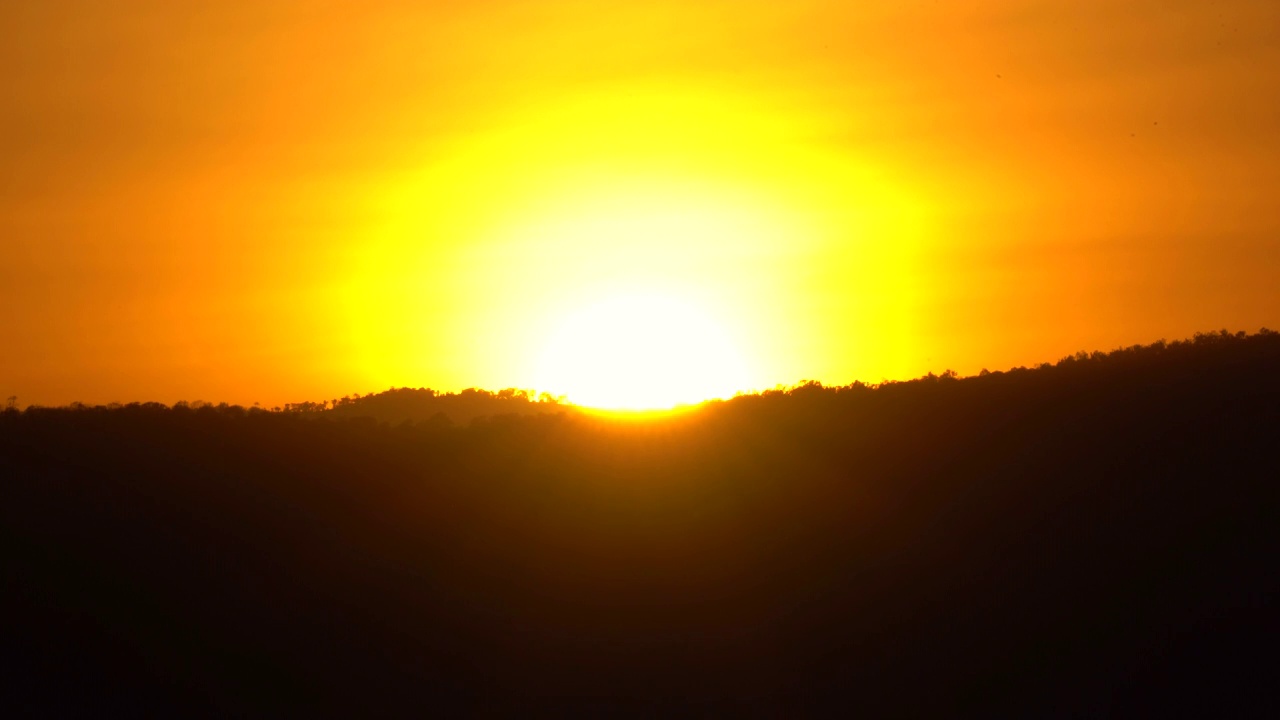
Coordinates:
[641,352]
[713,201]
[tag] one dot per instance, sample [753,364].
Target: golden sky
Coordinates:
[251,201]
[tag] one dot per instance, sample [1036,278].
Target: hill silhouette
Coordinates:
[414,405]
[1095,537]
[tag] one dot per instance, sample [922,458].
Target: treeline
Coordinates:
[415,405]
[394,405]
[1090,538]
[423,404]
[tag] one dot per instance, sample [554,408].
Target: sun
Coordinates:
[640,351]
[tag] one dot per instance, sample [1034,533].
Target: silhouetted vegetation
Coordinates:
[1092,537]
[399,405]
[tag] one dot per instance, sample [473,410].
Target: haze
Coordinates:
[249,202]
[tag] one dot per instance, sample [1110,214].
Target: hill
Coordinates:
[1095,537]
[399,405]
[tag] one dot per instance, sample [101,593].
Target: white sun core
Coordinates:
[640,352]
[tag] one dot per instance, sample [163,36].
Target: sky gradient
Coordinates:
[274,202]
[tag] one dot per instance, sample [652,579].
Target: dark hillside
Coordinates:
[1096,537]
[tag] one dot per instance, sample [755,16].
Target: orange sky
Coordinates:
[250,201]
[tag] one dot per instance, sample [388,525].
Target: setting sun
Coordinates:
[640,352]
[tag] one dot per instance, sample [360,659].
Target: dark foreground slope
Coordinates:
[1093,538]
